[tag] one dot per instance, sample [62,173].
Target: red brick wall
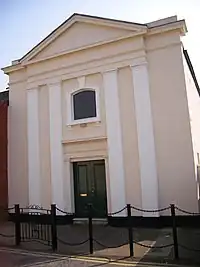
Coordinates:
[3,154]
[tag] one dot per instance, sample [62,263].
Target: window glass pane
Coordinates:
[84,105]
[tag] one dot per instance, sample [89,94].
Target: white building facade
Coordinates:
[99,113]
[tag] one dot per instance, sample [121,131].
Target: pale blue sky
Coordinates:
[24,23]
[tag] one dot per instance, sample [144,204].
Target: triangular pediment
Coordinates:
[80,32]
[81,35]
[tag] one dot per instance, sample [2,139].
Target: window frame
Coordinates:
[70,106]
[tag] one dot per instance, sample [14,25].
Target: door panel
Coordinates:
[81,187]
[83,182]
[100,199]
[90,188]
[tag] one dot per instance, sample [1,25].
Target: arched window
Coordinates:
[84,104]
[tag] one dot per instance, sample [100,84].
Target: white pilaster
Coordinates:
[146,145]
[114,137]
[57,163]
[81,81]
[68,186]
[33,147]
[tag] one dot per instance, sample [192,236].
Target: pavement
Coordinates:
[18,258]
[112,248]
[23,258]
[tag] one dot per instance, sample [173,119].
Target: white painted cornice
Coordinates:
[92,139]
[12,68]
[178,25]
[64,53]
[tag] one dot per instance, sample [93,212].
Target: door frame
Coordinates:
[91,158]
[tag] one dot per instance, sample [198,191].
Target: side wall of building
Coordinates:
[173,141]
[194,111]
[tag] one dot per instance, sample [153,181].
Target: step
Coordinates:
[99,221]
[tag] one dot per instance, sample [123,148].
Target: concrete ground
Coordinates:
[22,258]
[112,244]
[18,258]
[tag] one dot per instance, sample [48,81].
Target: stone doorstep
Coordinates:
[94,221]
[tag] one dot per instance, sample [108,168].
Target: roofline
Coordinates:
[168,23]
[109,19]
[127,23]
[189,63]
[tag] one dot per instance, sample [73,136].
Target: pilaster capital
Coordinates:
[54,83]
[109,71]
[139,62]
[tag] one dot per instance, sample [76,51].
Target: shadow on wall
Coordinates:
[3,150]
[198,185]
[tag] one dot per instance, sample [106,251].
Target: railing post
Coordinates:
[17,225]
[53,227]
[174,229]
[130,230]
[90,229]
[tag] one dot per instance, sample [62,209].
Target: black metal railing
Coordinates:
[34,223]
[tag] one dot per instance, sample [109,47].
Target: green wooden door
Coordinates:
[90,187]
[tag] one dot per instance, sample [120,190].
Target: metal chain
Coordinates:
[116,212]
[72,244]
[158,210]
[9,209]
[64,212]
[111,213]
[9,236]
[190,249]
[104,246]
[187,212]
[147,246]
[140,244]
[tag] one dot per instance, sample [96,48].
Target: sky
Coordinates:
[24,23]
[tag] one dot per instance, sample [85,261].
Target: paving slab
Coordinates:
[112,242]
[15,257]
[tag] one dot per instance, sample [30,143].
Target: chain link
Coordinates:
[9,209]
[104,246]
[64,212]
[73,244]
[140,244]
[111,213]
[153,211]
[116,212]
[9,236]
[187,212]
[148,246]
